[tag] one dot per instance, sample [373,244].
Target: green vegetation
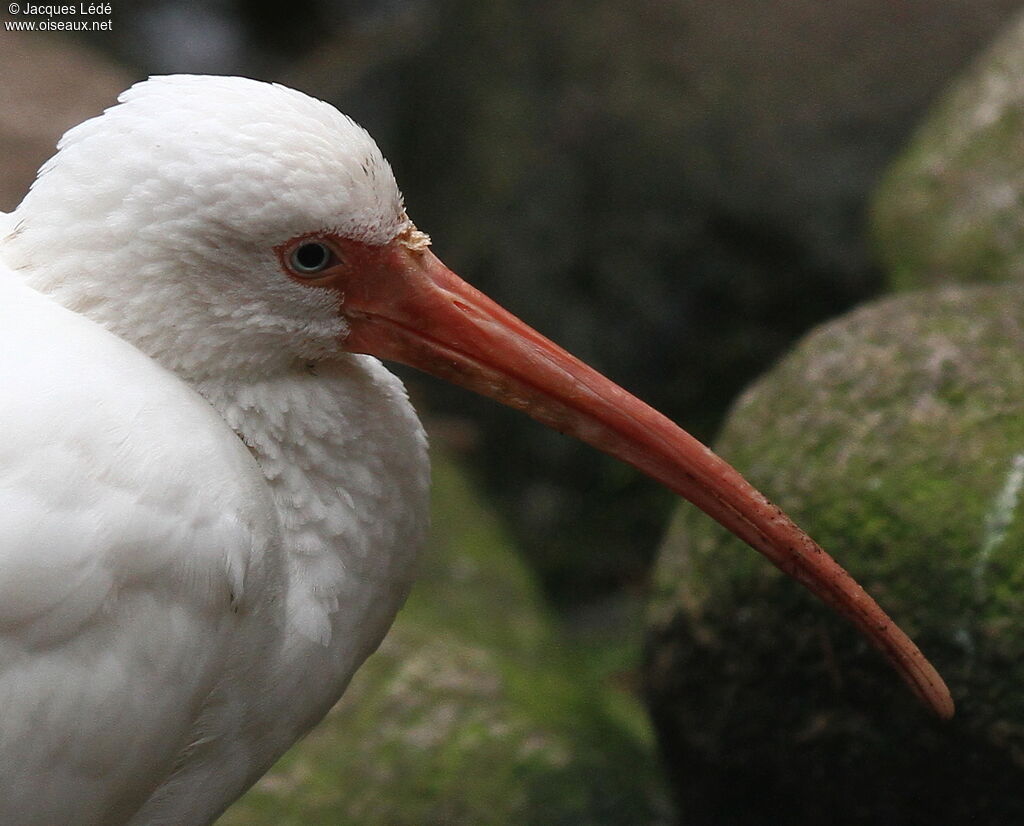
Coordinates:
[949,211]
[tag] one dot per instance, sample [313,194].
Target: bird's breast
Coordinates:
[345,461]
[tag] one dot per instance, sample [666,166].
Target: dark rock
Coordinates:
[895,436]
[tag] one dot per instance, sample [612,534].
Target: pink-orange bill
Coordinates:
[403,304]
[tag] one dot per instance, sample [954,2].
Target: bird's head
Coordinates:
[197,217]
[225,225]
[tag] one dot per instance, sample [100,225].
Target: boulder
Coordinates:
[949,210]
[895,436]
[472,712]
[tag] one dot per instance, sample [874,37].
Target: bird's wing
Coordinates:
[134,528]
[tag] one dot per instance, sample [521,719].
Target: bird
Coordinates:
[213,493]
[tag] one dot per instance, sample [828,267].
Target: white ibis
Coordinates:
[212,495]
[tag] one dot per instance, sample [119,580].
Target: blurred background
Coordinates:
[674,190]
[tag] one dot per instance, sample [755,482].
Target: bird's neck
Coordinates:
[345,459]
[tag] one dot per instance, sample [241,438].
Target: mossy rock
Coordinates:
[949,210]
[472,711]
[895,436]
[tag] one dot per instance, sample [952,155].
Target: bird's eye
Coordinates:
[310,257]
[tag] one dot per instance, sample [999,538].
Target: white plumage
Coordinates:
[165,592]
[176,609]
[210,503]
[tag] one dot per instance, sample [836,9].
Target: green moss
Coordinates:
[471,712]
[895,436]
[949,209]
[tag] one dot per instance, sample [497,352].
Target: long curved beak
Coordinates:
[407,306]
